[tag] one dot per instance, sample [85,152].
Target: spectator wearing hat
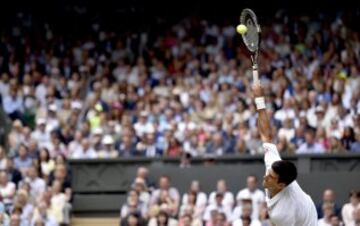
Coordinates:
[41,135]
[108,150]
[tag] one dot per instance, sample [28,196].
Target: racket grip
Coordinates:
[255,75]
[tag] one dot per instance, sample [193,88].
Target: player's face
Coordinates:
[271,180]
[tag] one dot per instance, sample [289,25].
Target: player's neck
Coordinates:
[274,191]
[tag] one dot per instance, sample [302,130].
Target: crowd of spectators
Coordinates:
[182,91]
[161,204]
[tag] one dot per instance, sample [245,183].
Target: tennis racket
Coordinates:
[251,38]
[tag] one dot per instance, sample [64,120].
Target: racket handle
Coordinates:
[255,75]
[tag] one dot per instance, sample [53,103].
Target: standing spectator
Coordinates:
[348,209]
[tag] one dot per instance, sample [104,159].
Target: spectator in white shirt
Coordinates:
[165,186]
[228,199]
[257,196]
[41,135]
[246,214]
[37,184]
[218,206]
[7,190]
[41,215]
[200,198]
[85,151]
[348,209]
[328,210]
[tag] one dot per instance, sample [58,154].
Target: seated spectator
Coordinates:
[141,188]
[200,196]
[167,192]
[47,164]
[85,151]
[14,174]
[163,219]
[245,217]
[187,220]
[228,197]
[58,202]
[23,161]
[328,197]
[7,190]
[108,150]
[355,147]
[256,195]
[42,216]
[3,158]
[132,219]
[348,209]
[219,207]
[328,211]
[133,206]
[310,145]
[22,201]
[37,184]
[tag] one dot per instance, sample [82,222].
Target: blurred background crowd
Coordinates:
[177,90]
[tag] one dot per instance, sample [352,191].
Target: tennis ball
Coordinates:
[241,29]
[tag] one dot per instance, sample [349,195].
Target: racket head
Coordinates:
[252,37]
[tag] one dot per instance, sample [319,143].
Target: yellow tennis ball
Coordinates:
[241,29]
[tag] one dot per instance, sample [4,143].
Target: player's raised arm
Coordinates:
[263,121]
[264,127]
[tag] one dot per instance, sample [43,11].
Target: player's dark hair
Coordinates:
[286,171]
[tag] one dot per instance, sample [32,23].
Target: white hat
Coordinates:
[245,195]
[52,107]
[107,139]
[144,114]
[76,105]
[41,121]
[319,109]
[97,131]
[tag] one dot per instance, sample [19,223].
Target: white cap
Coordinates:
[319,109]
[52,107]
[144,114]
[41,121]
[244,195]
[97,131]
[76,105]
[107,139]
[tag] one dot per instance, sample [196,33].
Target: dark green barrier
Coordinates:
[101,185]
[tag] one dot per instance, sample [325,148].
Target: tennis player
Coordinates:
[288,204]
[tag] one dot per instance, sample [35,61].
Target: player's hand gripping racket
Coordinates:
[251,38]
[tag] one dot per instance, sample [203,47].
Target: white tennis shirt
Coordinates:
[291,206]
